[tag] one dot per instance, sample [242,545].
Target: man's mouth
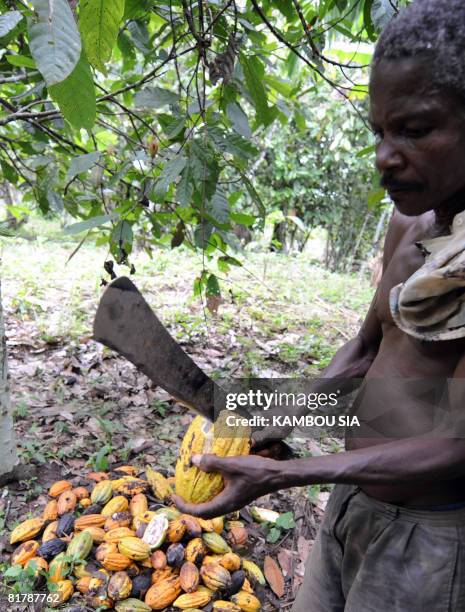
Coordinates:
[394,187]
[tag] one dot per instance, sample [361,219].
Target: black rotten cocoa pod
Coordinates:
[175,555]
[65,524]
[51,549]
[237,580]
[140,585]
[93,509]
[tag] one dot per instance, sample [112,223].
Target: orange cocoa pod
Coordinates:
[176,530]
[81,493]
[97,476]
[24,552]
[237,536]
[231,561]
[118,519]
[38,563]
[162,594]
[192,524]
[89,520]
[115,535]
[163,574]
[59,487]
[97,534]
[104,549]
[27,530]
[66,502]
[115,562]
[189,577]
[50,512]
[158,559]
[82,585]
[130,470]
[138,504]
[50,532]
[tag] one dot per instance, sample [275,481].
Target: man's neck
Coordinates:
[444,216]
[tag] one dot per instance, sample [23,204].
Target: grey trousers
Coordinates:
[370,556]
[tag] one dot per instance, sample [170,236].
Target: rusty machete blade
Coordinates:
[126,323]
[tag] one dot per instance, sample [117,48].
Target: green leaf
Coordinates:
[366,151]
[286,8]
[273,535]
[155,97]
[9,172]
[243,219]
[286,521]
[239,120]
[9,21]
[218,207]
[76,96]
[213,286]
[171,170]
[54,40]
[375,197]
[82,163]
[133,8]
[88,224]
[99,22]
[21,61]
[6,230]
[122,238]
[254,73]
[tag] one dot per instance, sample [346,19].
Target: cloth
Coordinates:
[370,556]
[430,305]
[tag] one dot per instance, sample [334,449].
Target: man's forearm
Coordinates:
[400,462]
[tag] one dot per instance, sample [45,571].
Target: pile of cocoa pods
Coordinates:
[116,543]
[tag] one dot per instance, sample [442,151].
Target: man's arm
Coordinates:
[412,460]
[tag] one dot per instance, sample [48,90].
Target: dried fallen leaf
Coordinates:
[285,561]
[274,576]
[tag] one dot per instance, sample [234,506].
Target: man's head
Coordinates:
[417,94]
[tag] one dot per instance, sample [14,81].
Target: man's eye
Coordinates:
[416,132]
[378,134]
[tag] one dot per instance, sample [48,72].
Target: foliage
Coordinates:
[142,119]
[322,175]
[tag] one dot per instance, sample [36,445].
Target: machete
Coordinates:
[125,323]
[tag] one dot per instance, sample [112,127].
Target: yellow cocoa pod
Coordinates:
[58,568]
[59,487]
[253,571]
[138,504]
[215,576]
[101,602]
[207,525]
[27,530]
[231,561]
[24,552]
[193,484]
[115,562]
[246,601]
[129,470]
[218,524]
[225,606]
[158,483]
[50,512]
[132,605]
[119,586]
[200,598]
[216,543]
[102,492]
[134,548]
[247,587]
[97,534]
[64,589]
[115,535]
[176,530]
[162,594]
[80,546]
[195,550]
[38,563]
[89,520]
[66,502]
[117,504]
[85,503]
[50,532]
[129,485]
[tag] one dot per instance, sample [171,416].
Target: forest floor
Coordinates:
[79,406]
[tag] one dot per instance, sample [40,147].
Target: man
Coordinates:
[393,536]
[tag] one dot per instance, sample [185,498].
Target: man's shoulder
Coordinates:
[400,227]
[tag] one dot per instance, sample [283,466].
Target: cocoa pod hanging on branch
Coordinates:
[222,66]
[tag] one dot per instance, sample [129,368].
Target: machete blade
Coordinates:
[126,323]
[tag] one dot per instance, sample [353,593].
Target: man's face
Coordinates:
[420,146]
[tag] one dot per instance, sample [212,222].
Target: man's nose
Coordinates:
[389,157]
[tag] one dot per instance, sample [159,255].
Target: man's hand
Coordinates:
[246,478]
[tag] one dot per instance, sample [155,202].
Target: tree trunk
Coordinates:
[8,454]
